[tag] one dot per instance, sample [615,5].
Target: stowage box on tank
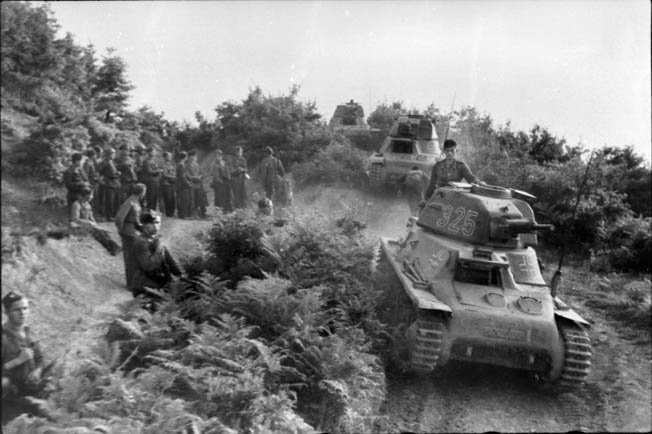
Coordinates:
[471,279]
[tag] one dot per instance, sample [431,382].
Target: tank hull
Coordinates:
[478,323]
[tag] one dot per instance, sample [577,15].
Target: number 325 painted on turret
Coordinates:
[463,220]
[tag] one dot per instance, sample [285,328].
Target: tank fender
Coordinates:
[435,304]
[572,316]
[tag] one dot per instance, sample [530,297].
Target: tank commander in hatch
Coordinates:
[449,170]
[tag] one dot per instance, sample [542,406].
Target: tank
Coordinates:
[465,284]
[349,121]
[412,141]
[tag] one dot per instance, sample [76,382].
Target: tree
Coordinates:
[111,87]
[384,115]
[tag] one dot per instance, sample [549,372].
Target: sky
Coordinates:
[580,68]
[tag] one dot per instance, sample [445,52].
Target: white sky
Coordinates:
[579,68]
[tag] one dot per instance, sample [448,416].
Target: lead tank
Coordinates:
[469,287]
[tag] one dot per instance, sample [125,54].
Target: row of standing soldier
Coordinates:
[172,187]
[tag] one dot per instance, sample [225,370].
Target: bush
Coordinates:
[339,161]
[625,246]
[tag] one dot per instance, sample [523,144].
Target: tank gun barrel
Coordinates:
[520,226]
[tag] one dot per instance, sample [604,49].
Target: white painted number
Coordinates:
[464,220]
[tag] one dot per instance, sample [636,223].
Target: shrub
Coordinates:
[625,246]
[339,161]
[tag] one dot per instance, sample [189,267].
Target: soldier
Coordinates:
[74,178]
[23,371]
[126,165]
[81,218]
[168,185]
[153,264]
[152,176]
[139,163]
[271,170]
[90,168]
[221,183]
[109,185]
[194,177]
[184,189]
[449,170]
[128,223]
[414,183]
[239,177]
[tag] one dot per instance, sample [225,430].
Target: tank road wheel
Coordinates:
[576,363]
[577,357]
[426,333]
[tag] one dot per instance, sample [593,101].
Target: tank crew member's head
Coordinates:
[450,149]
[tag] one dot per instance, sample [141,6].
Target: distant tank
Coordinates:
[349,121]
[465,284]
[412,141]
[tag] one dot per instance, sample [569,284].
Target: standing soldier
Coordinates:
[74,178]
[271,170]
[125,164]
[238,179]
[184,189]
[168,185]
[221,183]
[128,223]
[152,176]
[194,177]
[109,185]
[90,168]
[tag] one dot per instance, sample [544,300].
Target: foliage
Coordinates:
[289,126]
[625,245]
[338,162]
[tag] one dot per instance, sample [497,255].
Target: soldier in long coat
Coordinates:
[271,169]
[109,185]
[221,183]
[184,189]
[152,177]
[194,176]
[127,167]
[127,221]
[168,185]
[239,177]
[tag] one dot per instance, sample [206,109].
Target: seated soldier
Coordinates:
[153,265]
[23,375]
[82,219]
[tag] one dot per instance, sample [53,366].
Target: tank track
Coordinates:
[577,357]
[427,349]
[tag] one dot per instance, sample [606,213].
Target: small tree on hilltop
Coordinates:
[111,87]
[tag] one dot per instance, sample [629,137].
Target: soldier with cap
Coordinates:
[449,170]
[109,185]
[74,178]
[168,185]
[128,223]
[239,177]
[23,371]
[152,177]
[271,170]
[126,165]
[153,264]
[221,183]
[194,176]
